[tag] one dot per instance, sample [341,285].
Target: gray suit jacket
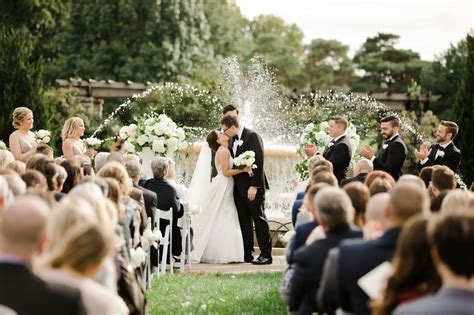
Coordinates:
[446,301]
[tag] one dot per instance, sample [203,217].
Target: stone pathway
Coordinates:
[278,265]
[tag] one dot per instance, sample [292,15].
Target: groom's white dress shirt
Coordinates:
[236,144]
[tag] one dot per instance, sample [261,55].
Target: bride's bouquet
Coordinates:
[246,159]
[93,142]
[42,135]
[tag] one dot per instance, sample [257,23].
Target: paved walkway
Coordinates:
[278,265]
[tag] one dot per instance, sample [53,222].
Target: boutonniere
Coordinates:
[239,142]
[441,153]
[385,146]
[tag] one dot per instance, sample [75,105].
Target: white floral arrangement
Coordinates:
[245,159]
[137,257]
[93,142]
[42,135]
[159,133]
[3,146]
[193,211]
[150,238]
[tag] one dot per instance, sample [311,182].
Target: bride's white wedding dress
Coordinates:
[217,236]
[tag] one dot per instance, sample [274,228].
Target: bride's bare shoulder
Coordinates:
[223,151]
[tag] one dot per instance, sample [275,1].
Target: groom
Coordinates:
[249,192]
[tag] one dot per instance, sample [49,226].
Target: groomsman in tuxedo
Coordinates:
[444,152]
[393,153]
[227,110]
[339,150]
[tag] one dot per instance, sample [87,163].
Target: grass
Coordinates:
[255,293]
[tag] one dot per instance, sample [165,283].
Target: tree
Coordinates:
[443,76]
[21,79]
[280,45]
[386,68]
[464,113]
[327,66]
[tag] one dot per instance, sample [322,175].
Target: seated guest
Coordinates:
[45,149]
[74,175]
[16,166]
[320,165]
[84,248]
[47,167]
[456,201]
[444,152]
[6,195]
[22,142]
[425,175]
[379,174]
[414,274]
[167,198]
[6,157]
[355,259]
[442,179]
[379,185]
[359,195]
[436,202]
[134,169]
[374,216]
[34,180]
[411,179]
[451,239]
[22,237]
[60,179]
[332,209]
[361,169]
[15,183]
[100,160]
[301,187]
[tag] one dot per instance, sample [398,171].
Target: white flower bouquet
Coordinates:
[316,134]
[159,133]
[93,142]
[149,237]
[137,257]
[246,159]
[3,146]
[42,135]
[193,211]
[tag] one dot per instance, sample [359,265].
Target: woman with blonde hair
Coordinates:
[21,142]
[71,134]
[83,250]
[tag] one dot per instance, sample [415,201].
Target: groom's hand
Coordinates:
[251,193]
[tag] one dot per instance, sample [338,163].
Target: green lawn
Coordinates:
[216,293]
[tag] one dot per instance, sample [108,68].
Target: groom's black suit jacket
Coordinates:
[251,142]
[391,158]
[340,156]
[451,158]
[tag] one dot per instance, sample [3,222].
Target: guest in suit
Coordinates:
[355,259]
[362,168]
[22,237]
[332,208]
[442,180]
[444,152]
[451,238]
[339,150]
[393,153]
[167,199]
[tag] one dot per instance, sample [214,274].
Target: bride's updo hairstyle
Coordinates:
[212,140]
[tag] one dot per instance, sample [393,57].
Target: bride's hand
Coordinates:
[247,169]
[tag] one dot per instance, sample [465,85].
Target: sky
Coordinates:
[425,26]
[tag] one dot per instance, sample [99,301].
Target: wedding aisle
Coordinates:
[279,265]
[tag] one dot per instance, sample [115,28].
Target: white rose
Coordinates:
[172,144]
[149,130]
[123,133]
[309,127]
[141,140]
[181,134]
[149,121]
[160,129]
[162,117]
[129,147]
[158,146]
[324,125]
[320,136]
[132,130]
[46,139]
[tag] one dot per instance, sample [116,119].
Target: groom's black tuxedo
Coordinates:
[339,154]
[451,158]
[391,158]
[248,210]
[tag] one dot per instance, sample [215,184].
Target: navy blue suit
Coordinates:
[299,239]
[294,210]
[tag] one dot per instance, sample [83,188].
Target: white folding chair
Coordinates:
[167,240]
[185,239]
[147,267]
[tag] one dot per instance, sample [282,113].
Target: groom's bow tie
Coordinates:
[440,148]
[236,137]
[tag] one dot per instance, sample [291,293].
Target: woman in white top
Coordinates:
[22,143]
[71,134]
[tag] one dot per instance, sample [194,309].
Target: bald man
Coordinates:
[375,215]
[22,237]
[361,169]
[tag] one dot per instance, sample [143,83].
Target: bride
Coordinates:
[217,236]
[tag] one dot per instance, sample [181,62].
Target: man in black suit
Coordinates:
[393,153]
[249,191]
[227,110]
[345,266]
[332,207]
[22,237]
[362,168]
[339,150]
[444,152]
[167,199]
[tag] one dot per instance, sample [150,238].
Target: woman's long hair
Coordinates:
[412,266]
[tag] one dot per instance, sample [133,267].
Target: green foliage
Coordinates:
[386,68]
[443,76]
[216,294]
[21,81]
[464,114]
[327,66]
